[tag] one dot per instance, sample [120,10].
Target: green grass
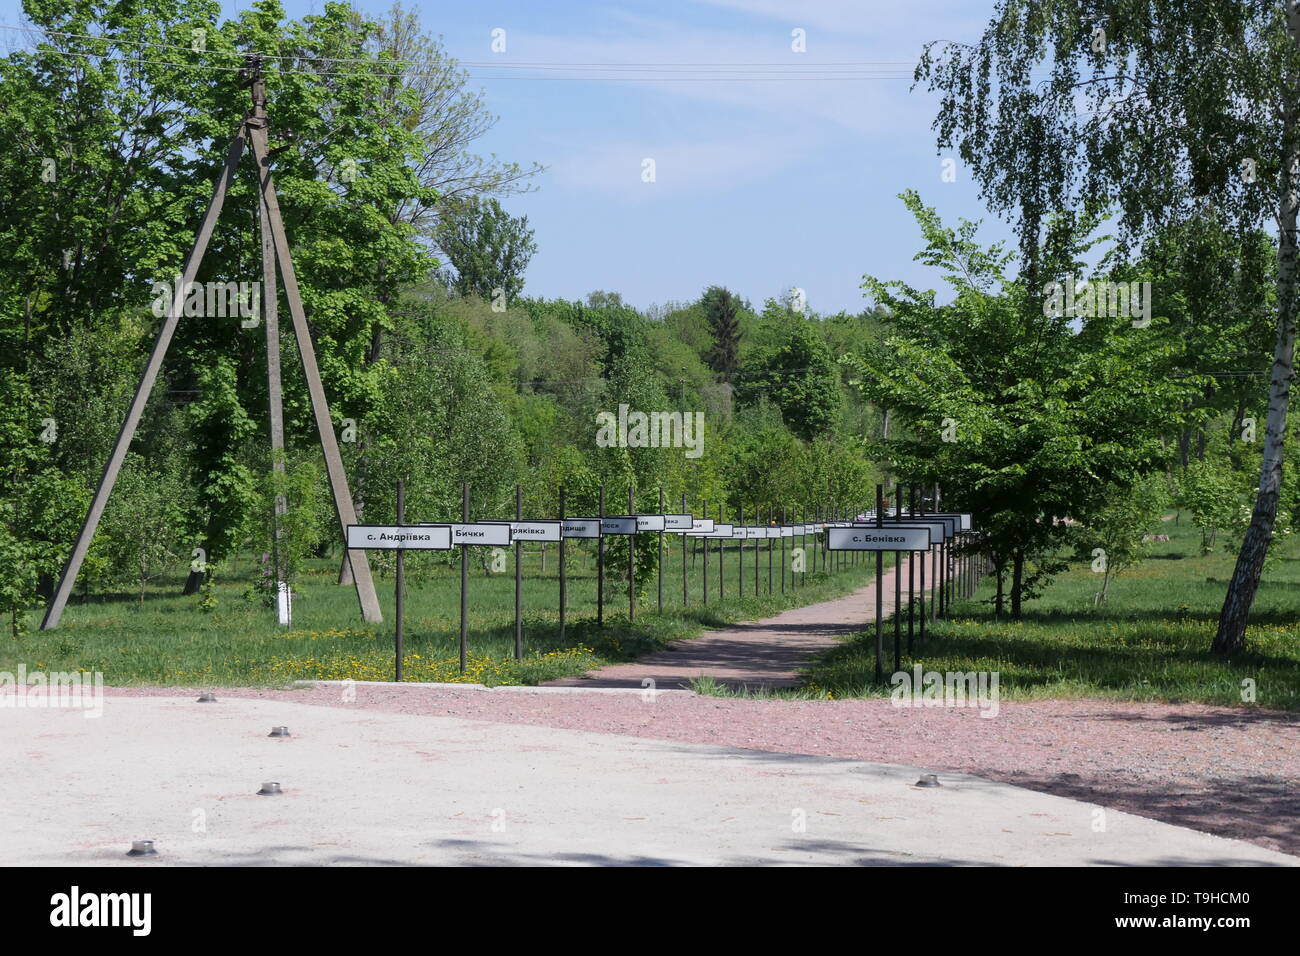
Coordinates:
[1149,642]
[166,639]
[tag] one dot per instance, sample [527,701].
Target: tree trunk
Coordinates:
[1231,636]
[1017,581]
[194,582]
[1000,569]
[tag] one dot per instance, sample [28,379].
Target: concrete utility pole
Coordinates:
[271,318]
[252,132]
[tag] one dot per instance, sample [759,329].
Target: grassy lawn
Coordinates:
[167,639]
[1150,642]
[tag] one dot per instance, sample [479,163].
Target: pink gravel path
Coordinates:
[1234,772]
[757,654]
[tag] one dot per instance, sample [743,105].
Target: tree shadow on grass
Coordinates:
[1149,671]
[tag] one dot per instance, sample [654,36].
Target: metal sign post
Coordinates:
[686,596]
[600,564]
[880,571]
[661,553]
[898,589]
[804,549]
[400,585]
[466,536]
[784,518]
[740,559]
[771,550]
[722,547]
[519,578]
[911,574]
[631,559]
[464,576]
[400,538]
[563,594]
[878,537]
[921,562]
[705,511]
[817,545]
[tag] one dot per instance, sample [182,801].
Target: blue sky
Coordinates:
[759,185]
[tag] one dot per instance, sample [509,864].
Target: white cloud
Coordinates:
[841,16]
[712,167]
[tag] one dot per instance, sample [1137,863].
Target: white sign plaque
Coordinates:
[484,534]
[864,538]
[580,527]
[399,537]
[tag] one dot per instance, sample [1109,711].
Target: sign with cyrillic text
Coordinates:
[532,530]
[863,538]
[399,537]
[485,534]
[580,527]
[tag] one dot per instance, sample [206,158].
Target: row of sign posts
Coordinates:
[881,531]
[912,532]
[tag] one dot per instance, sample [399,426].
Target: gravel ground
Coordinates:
[1220,770]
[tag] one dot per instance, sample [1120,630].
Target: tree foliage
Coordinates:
[1160,110]
[1023,419]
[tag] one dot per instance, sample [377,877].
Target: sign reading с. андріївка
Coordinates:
[399,537]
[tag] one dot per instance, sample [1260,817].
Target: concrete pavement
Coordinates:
[364,787]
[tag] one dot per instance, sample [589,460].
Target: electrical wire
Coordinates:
[684,72]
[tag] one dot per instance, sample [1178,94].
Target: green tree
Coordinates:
[302,528]
[39,506]
[140,534]
[721,310]
[1159,109]
[800,377]
[1118,527]
[487,247]
[1212,493]
[1023,420]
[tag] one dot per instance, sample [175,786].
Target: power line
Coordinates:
[610,72]
[493,64]
[580,79]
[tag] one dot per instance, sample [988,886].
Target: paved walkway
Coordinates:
[759,654]
[364,787]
